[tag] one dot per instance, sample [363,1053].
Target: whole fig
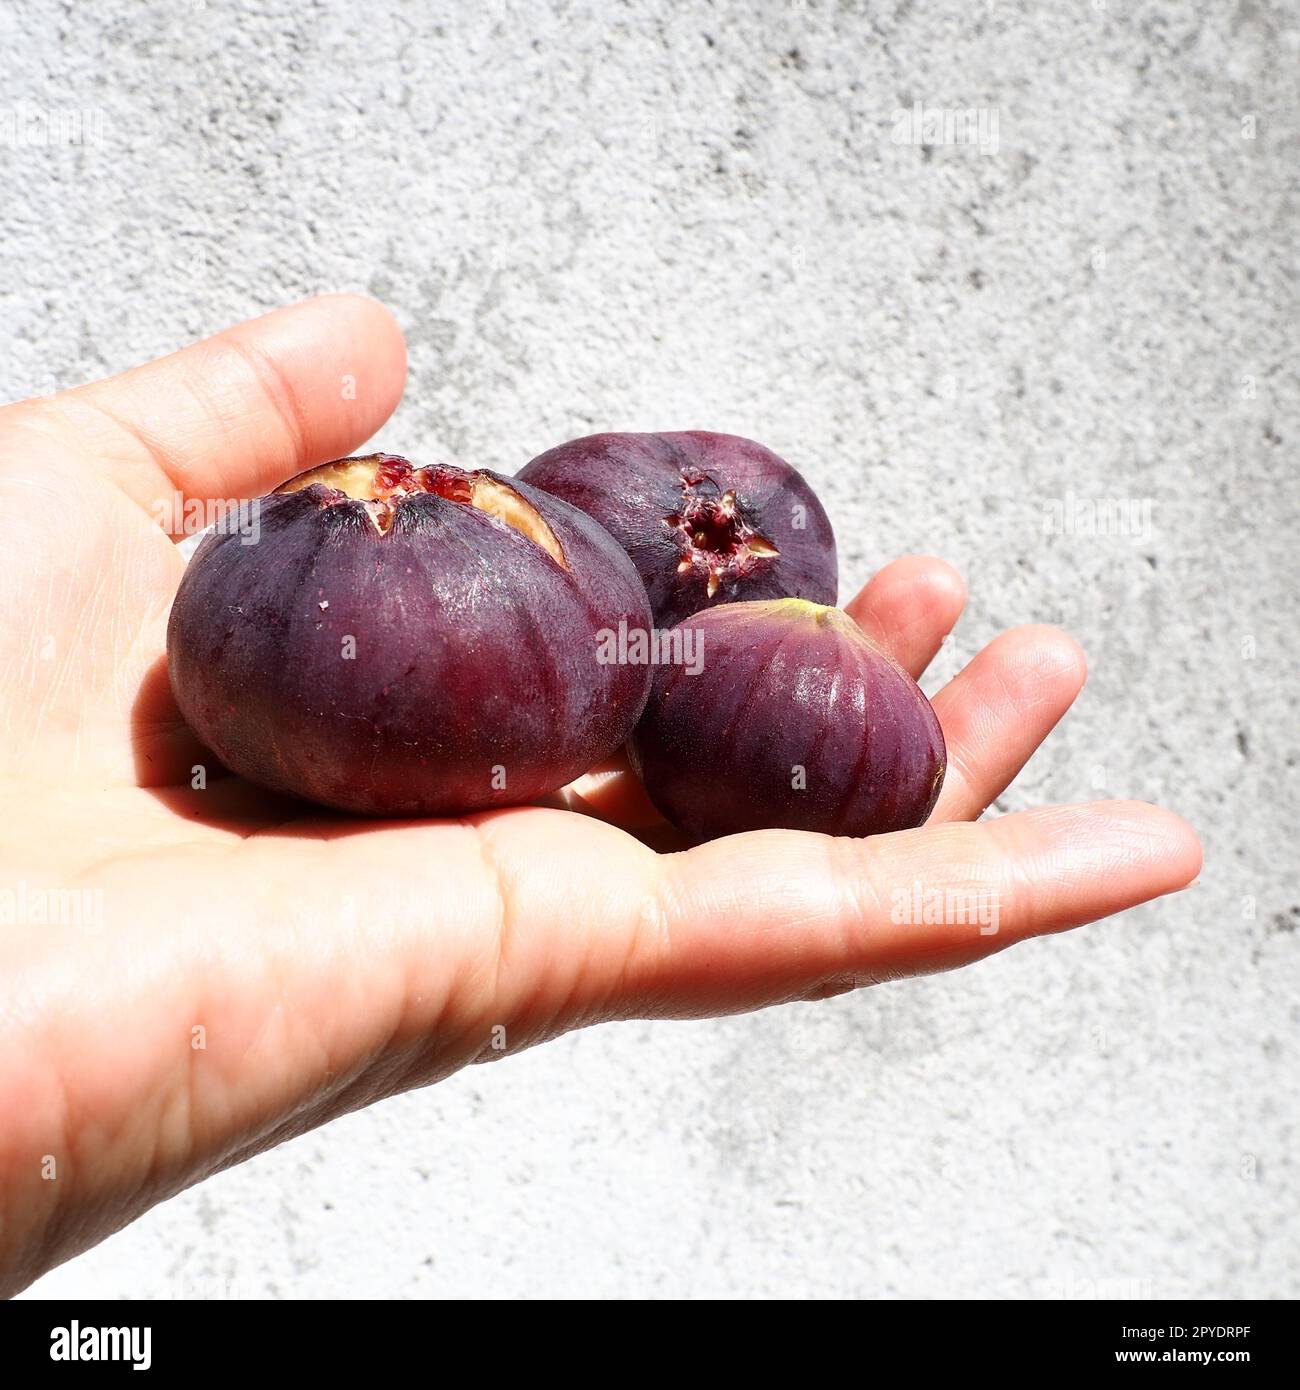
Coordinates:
[792,719]
[707,518]
[408,641]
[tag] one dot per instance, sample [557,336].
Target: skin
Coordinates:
[329,962]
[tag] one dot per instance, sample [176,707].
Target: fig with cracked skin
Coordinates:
[796,720]
[408,641]
[707,519]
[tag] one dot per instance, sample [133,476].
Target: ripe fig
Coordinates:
[408,641]
[794,720]
[708,519]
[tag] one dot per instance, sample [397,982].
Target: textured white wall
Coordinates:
[674,215]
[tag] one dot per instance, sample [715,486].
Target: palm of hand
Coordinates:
[251,968]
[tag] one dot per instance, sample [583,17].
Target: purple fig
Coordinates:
[793,718]
[708,519]
[408,641]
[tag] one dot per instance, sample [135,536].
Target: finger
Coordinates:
[997,711]
[909,607]
[234,415]
[776,915]
[614,793]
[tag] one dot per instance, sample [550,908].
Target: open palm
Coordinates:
[193,975]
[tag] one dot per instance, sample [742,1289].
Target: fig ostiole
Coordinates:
[707,519]
[408,641]
[796,720]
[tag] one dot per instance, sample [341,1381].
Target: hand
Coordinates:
[247,967]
